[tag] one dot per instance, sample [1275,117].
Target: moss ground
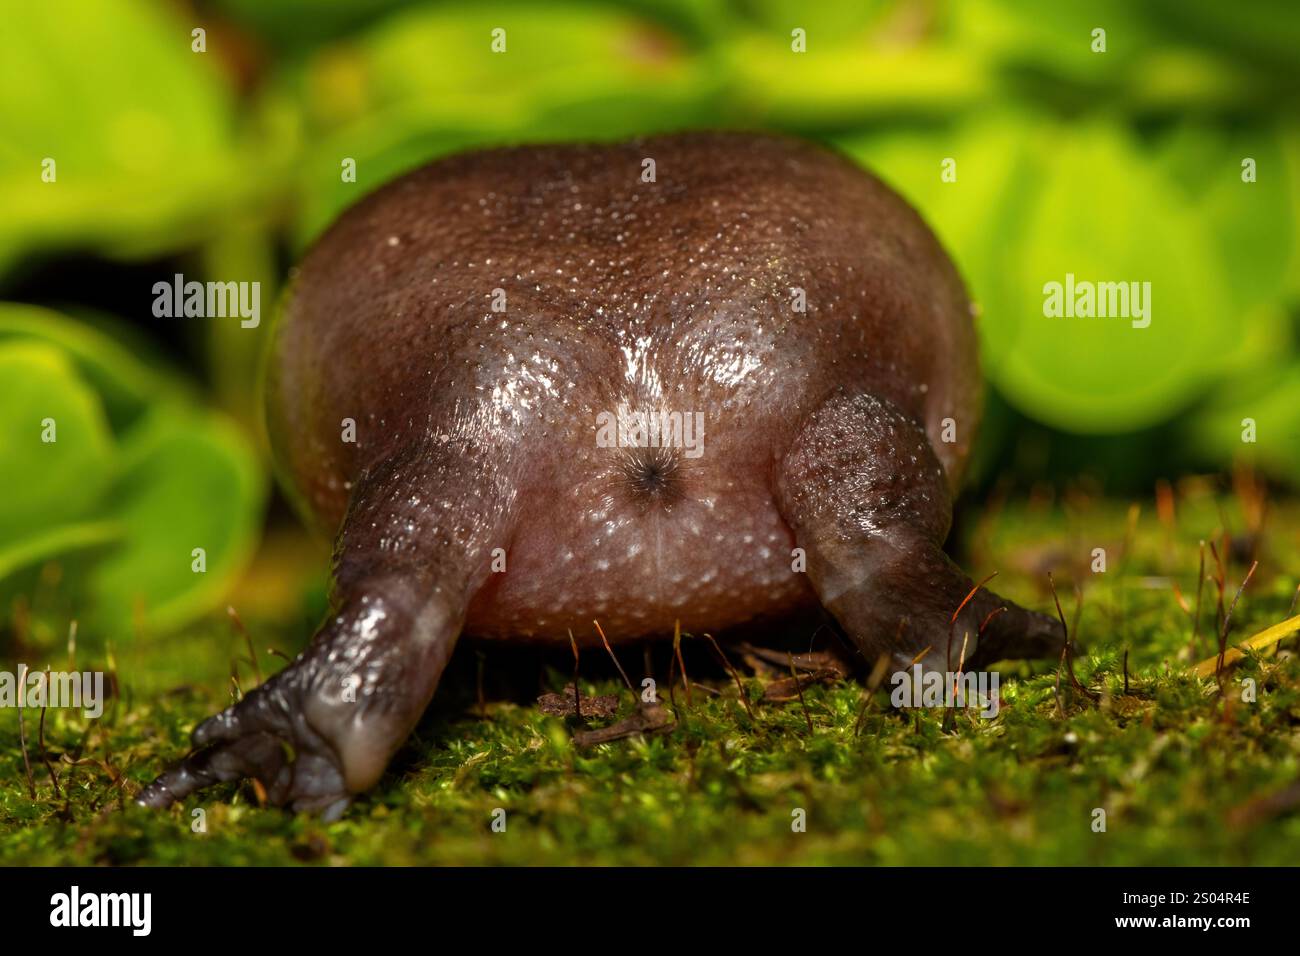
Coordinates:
[1186,770]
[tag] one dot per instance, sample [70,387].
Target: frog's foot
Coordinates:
[267,737]
[325,727]
[867,498]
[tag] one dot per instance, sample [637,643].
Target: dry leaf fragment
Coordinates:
[561,705]
[646,719]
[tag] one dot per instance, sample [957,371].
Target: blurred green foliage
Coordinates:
[1123,165]
[140,131]
[113,468]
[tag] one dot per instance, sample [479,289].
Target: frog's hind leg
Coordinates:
[414,548]
[868,501]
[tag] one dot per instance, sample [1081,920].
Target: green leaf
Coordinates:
[1291,154]
[1250,222]
[48,482]
[121,368]
[138,126]
[426,82]
[119,503]
[300,23]
[836,83]
[1102,212]
[188,480]
[983,201]
[44,545]
[1262,34]
[1271,400]
[1056,38]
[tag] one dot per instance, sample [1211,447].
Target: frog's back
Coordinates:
[527,295]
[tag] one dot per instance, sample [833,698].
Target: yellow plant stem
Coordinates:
[1263,639]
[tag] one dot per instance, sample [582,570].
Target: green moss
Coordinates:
[1174,763]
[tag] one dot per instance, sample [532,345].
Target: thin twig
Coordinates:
[1056,687]
[1069,649]
[252,654]
[1227,618]
[612,656]
[951,715]
[952,622]
[1200,588]
[991,615]
[45,757]
[22,730]
[799,687]
[877,675]
[577,695]
[1067,660]
[744,698]
[1220,582]
[677,649]
[672,697]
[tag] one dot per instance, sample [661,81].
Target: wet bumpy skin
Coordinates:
[476,318]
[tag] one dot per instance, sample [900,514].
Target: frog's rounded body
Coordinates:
[695,378]
[524,297]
